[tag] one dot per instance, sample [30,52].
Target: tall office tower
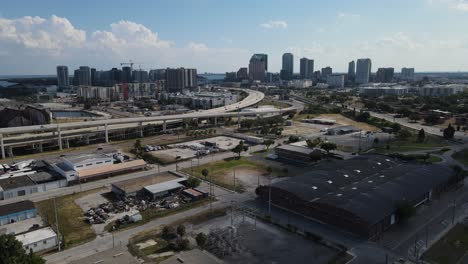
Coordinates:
[407,74]
[288,66]
[258,67]
[363,71]
[303,69]
[316,77]
[327,71]
[190,78]
[384,75]
[126,74]
[115,76]
[63,80]
[93,77]
[310,69]
[351,70]
[84,76]
[306,68]
[175,80]
[242,74]
[140,76]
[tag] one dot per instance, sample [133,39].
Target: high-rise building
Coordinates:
[326,72]
[407,74]
[63,80]
[316,76]
[242,74]
[84,76]
[126,74]
[258,67]
[351,70]
[230,77]
[288,66]
[157,75]
[94,80]
[363,71]
[306,68]
[140,76]
[336,80]
[175,80]
[190,78]
[384,75]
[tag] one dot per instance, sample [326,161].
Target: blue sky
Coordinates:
[219,36]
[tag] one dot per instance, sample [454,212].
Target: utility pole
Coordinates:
[269,195]
[234,179]
[454,205]
[211,193]
[57,225]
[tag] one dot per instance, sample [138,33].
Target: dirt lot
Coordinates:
[170,155]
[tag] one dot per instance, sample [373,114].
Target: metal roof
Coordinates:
[368,186]
[12,208]
[164,186]
[36,236]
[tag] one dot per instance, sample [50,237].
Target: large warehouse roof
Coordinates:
[368,186]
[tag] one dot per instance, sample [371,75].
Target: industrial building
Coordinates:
[43,239]
[151,183]
[16,212]
[296,154]
[360,195]
[342,130]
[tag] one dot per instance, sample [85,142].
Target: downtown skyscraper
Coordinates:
[306,68]
[363,71]
[288,66]
[63,80]
[258,67]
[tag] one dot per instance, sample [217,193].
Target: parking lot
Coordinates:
[222,142]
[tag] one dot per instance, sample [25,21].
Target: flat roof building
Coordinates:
[16,212]
[360,195]
[134,187]
[38,240]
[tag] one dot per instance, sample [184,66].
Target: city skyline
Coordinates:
[34,37]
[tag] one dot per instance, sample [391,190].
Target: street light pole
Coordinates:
[269,195]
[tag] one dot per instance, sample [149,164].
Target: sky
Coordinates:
[221,35]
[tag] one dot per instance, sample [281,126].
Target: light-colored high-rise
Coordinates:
[63,80]
[363,71]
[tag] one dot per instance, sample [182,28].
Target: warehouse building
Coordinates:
[136,187]
[16,212]
[360,195]
[296,154]
[43,239]
[43,181]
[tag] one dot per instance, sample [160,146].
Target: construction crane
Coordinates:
[130,62]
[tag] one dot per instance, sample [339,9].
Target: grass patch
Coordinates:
[221,171]
[152,213]
[299,117]
[412,144]
[276,104]
[450,248]
[74,229]
[461,156]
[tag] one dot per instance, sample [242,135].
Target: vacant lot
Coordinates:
[412,144]
[451,248]
[346,121]
[274,103]
[462,156]
[234,174]
[70,218]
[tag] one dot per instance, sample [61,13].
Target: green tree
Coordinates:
[403,134]
[12,251]
[240,148]
[432,119]
[201,239]
[205,173]
[314,143]
[421,135]
[293,139]
[138,148]
[193,182]
[181,230]
[449,132]
[268,143]
[328,146]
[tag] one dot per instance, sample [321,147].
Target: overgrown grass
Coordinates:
[461,156]
[70,218]
[450,248]
[219,169]
[412,144]
[274,103]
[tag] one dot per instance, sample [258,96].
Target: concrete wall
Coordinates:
[16,217]
[42,245]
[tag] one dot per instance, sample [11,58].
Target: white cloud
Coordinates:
[344,15]
[53,35]
[35,45]
[460,5]
[275,24]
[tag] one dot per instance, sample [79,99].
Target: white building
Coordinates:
[300,84]
[38,240]
[441,90]
[377,91]
[88,161]
[336,80]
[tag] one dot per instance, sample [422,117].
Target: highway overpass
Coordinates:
[20,136]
